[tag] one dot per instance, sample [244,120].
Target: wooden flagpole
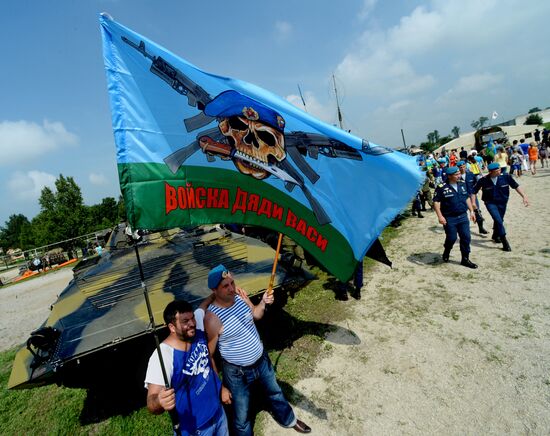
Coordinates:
[272,279]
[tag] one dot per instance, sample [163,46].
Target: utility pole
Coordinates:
[403,136]
[302,97]
[337,103]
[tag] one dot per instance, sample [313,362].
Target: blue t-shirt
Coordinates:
[524,147]
[196,384]
[479,160]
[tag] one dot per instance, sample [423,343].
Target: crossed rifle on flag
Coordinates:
[250,134]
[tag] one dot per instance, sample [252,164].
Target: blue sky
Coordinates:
[403,64]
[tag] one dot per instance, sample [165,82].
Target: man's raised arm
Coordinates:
[258,310]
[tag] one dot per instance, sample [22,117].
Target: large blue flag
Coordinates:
[196,148]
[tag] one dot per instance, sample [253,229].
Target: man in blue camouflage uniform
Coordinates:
[495,189]
[451,204]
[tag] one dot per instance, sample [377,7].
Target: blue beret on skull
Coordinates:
[232,103]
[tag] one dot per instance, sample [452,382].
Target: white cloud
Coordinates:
[313,106]
[366,9]
[98,179]
[442,64]
[382,75]
[399,105]
[399,60]
[28,186]
[477,82]
[382,61]
[283,30]
[25,140]
[470,87]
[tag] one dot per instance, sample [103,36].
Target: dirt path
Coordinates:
[25,306]
[444,349]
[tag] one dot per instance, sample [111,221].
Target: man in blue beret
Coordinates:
[451,204]
[495,189]
[230,326]
[438,171]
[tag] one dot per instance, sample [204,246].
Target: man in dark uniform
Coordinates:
[495,193]
[451,203]
[537,136]
[470,179]
[439,170]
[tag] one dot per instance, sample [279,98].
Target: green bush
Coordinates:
[533,119]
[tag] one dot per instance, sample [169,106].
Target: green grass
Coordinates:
[57,410]
[310,315]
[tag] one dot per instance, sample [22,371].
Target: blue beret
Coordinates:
[216,275]
[451,170]
[442,160]
[460,163]
[232,103]
[493,166]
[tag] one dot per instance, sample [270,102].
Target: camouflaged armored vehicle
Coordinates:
[100,320]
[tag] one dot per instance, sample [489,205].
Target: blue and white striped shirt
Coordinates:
[239,341]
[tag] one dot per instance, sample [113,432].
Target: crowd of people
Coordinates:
[459,176]
[516,157]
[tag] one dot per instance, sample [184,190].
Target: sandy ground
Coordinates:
[26,305]
[436,348]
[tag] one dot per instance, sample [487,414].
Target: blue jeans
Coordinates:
[358,275]
[218,427]
[239,380]
[461,226]
[497,212]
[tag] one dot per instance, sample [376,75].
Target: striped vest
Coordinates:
[239,342]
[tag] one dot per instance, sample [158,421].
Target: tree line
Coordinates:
[63,215]
[435,140]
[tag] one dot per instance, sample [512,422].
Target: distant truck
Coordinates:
[484,135]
